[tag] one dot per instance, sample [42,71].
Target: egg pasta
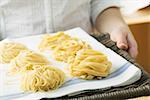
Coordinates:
[9,50]
[89,64]
[26,60]
[42,78]
[62,45]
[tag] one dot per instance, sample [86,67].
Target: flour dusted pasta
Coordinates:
[26,60]
[35,69]
[42,78]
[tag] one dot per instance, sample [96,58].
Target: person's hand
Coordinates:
[125,40]
[111,21]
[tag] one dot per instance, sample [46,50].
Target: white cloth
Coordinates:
[131,6]
[29,17]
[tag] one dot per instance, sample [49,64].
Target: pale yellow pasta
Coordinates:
[63,46]
[89,64]
[68,49]
[84,62]
[9,50]
[42,78]
[26,60]
[50,42]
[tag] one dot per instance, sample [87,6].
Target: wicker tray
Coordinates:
[139,88]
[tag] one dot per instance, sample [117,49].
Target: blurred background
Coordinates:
[137,16]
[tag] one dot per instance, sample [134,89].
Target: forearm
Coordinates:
[108,20]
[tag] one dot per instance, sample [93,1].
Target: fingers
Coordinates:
[133,48]
[133,52]
[122,41]
[125,41]
[120,38]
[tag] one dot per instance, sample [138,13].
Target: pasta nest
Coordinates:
[63,46]
[89,64]
[68,49]
[9,50]
[42,78]
[50,42]
[26,60]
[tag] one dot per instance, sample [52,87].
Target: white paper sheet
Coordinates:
[122,72]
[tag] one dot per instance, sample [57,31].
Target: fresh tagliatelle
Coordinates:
[26,60]
[89,64]
[62,45]
[50,42]
[84,62]
[68,49]
[9,50]
[42,78]
[37,74]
